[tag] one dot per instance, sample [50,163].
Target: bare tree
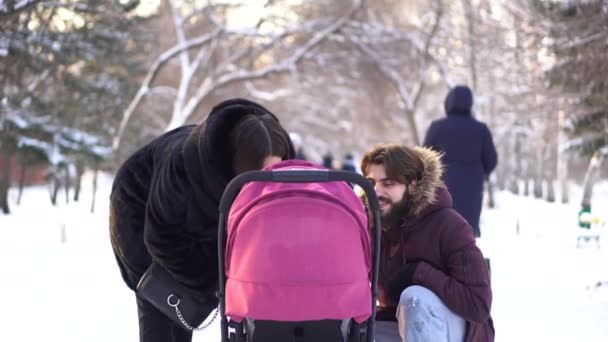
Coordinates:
[244,62]
[591,177]
[409,95]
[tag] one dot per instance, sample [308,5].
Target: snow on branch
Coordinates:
[206,10]
[578,42]
[8,7]
[273,40]
[286,65]
[228,72]
[388,71]
[152,72]
[266,95]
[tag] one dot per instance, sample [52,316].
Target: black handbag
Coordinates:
[175,300]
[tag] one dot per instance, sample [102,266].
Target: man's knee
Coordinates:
[415,296]
[417,302]
[423,316]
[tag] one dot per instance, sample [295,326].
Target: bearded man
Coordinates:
[434,284]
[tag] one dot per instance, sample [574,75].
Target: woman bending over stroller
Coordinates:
[165,198]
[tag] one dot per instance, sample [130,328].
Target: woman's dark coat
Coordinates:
[165,198]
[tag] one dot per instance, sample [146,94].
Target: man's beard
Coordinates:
[396,212]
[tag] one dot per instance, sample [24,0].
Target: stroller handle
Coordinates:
[297,176]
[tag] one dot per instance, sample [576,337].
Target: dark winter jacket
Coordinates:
[328,161]
[441,244]
[469,153]
[349,164]
[165,198]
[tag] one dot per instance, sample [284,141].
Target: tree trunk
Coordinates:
[78,181]
[54,184]
[551,167]
[527,179]
[96,172]
[516,162]
[514,185]
[538,187]
[501,179]
[538,175]
[5,182]
[66,184]
[470,17]
[409,115]
[590,176]
[491,201]
[565,190]
[514,159]
[514,175]
[550,190]
[22,176]
[562,160]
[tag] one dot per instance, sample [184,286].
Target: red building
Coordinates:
[33,175]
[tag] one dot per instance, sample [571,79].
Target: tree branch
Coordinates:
[149,78]
[289,64]
[8,8]
[389,72]
[186,73]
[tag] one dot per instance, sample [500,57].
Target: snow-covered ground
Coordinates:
[60,283]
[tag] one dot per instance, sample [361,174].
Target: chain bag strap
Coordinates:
[175,300]
[181,318]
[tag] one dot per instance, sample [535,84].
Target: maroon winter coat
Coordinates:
[441,242]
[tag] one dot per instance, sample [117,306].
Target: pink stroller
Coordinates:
[296,262]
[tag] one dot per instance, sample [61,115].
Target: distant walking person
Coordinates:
[296,139]
[469,153]
[348,164]
[328,161]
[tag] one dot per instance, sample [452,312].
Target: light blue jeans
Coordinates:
[422,317]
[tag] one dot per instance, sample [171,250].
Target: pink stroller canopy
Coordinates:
[297,251]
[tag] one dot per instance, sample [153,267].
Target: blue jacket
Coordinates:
[469,153]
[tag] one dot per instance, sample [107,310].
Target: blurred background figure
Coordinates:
[296,139]
[328,161]
[348,164]
[468,150]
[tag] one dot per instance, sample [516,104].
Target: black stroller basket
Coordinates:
[317,331]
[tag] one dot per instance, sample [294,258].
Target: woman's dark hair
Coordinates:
[254,138]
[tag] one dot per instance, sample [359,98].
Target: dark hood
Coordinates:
[207,151]
[459,101]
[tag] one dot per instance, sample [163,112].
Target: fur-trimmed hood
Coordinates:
[426,191]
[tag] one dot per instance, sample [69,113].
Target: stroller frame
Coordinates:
[356,331]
